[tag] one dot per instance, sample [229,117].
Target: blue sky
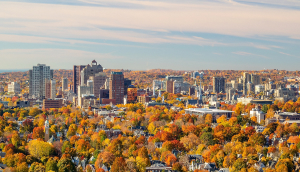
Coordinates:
[141,34]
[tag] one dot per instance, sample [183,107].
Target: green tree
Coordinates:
[238,165]
[66,144]
[51,165]
[65,164]
[207,138]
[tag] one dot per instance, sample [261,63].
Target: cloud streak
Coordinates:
[150,24]
[242,53]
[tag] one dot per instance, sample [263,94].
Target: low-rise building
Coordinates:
[14,88]
[48,103]
[260,116]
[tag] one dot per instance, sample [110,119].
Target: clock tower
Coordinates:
[47,130]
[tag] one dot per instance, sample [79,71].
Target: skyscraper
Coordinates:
[218,84]
[255,79]
[127,82]
[246,79]
[81,74]
[90,70]
[169,86]
[98,82]
[64,84]
[176,87]
[116,87]
[50,88]
[76,77]
[37,78]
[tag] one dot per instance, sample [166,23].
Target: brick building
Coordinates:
[116,87]
[169,86]
[47,103]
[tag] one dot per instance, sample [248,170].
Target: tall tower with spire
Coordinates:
[47,130]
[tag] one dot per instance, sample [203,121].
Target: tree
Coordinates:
[82,145]
[270,113]
[23,167]
[142,160]
[190,141]
[66,144]
[28,125]
[119,165]
[15,139]
[105,158]
[207,138]
[37,167]
[170,160]
[51,165]
[65,164]
[264,108]
[258,138]
[116,147]
[38,133]
[208,119]
[34,112]
[177,166]
[39,148]
[238,165]
[284,164]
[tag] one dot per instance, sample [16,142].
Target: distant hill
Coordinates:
[13,70]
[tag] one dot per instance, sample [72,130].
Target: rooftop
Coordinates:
[205,110]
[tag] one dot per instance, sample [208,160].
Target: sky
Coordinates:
[156,34]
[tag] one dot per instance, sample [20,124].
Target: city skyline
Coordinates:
[141,35]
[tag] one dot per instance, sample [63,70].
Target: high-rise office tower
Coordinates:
[116,87]
[169,85]
[50,88]
[255,79]
[76,77]
[246,79]
[176,87]
[81,74]
[98,82]
[37,78]
[127,82]
[64,84]
[218,84]
[90,70]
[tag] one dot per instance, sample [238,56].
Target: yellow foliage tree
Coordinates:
[39,148]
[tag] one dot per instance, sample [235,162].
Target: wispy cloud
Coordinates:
[37,39]
[242,53]
[289,54]
[150,24]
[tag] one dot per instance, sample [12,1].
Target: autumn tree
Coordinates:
[51,165]
[208,119]
[65,164]
[39,148]
[119,165]
[38,133]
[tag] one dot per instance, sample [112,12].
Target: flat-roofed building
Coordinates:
[14,87]
[47,103]
[214,112]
